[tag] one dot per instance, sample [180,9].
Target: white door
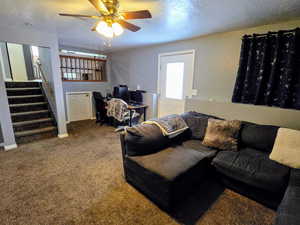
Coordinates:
[17,62]
[175,82]
[79,106]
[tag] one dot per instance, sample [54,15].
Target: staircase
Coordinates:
[30,112]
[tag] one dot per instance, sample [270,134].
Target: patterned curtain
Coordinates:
[269,70]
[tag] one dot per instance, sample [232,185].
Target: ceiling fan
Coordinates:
[110,20]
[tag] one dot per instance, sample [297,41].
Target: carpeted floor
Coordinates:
[79,181]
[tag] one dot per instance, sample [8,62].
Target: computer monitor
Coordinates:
[121,92]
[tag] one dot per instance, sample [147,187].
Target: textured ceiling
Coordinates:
[172,19]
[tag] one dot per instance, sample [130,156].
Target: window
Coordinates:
[174,80]
[35,51]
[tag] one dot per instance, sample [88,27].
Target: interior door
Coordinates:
[175,82]
[17,62]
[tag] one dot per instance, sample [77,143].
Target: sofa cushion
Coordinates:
[171,162]
[253,168]
[222,134]
[198,146]
[197,122]
[261,137]
[168,176]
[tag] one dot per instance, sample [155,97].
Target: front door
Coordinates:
[175,82]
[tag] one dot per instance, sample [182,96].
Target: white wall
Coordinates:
[103,87]
[30,36]
[46,68]
[216,64]
[7,133]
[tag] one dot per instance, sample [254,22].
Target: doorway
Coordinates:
[175,81]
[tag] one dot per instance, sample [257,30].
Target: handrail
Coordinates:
[41,71]
[44,79]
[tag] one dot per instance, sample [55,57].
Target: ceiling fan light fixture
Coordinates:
[117,28]
[108,32]
[101,26]
[104,29]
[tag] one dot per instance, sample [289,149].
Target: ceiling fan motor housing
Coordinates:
[112,6]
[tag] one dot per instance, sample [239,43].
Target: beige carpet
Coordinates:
[79,181]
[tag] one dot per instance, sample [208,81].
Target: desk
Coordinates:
[134,107]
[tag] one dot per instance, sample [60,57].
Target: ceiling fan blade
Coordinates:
[142,14]
[78,15]
[100,6]
[129,26]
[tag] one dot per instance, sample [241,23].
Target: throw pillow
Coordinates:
[286,149]
[222,134]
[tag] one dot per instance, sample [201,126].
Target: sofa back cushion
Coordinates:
[197,123]
[260,137]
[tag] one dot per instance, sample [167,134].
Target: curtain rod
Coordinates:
[271,33]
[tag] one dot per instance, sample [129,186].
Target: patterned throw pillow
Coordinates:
[222,134]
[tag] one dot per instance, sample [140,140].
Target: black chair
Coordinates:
[101,116]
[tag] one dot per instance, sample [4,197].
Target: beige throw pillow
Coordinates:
[286,149]
[222,134]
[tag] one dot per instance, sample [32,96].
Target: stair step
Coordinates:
[22,99]
[25,107]
[28,104]
[35,131]
[23,123]
[29,113]
[25,96]
[22,84]
[23,89]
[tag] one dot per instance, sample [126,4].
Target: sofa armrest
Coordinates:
[289,208]
[143,139]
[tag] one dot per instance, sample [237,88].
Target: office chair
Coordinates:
[117,109]
[101,116]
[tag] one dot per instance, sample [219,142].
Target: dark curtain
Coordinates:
[269,70]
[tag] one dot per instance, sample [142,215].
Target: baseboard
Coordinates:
[10,147]
[63,135]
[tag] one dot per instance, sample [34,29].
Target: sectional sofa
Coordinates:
[168,170]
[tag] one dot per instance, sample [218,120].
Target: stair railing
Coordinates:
[44,79]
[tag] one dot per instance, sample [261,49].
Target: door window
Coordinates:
[174,80]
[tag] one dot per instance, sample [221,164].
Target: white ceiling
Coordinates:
[172,19]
